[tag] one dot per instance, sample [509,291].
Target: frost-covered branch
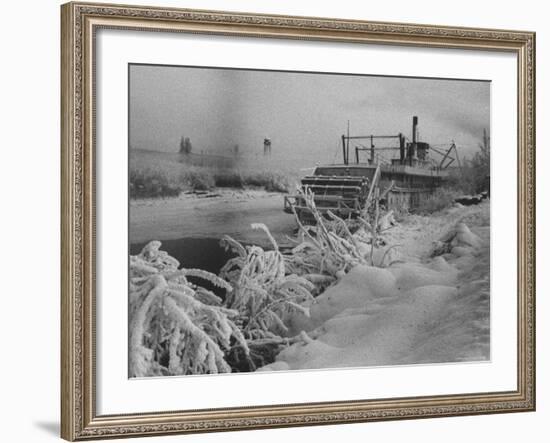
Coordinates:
[176,327]
[264,292]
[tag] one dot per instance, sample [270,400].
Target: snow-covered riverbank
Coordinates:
[421,309]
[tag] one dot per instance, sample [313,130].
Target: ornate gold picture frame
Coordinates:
[80,23]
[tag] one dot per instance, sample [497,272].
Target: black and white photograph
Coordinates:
[283,220]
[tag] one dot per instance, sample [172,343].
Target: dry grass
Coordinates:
[442,198]
[154,174]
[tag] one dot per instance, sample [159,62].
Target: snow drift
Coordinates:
[422,310]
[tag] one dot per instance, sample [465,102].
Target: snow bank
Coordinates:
[414,275]
[357,289]
[434,311]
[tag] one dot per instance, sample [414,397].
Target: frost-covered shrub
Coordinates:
[149,182]
[271,181]
[264,292]
[328,250]
[199,179]
[176,327]
[333,246]
[266,295]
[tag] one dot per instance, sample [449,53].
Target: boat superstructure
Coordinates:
[402,172]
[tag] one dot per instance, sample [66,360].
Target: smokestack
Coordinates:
[415,130]
[412,150]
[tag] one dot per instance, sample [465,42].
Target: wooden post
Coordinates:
[347,147]
[371,150]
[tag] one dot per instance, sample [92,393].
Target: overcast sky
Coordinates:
[303,114]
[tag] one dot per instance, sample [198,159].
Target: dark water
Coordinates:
[201,253]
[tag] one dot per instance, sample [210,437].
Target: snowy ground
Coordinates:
[421,309]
